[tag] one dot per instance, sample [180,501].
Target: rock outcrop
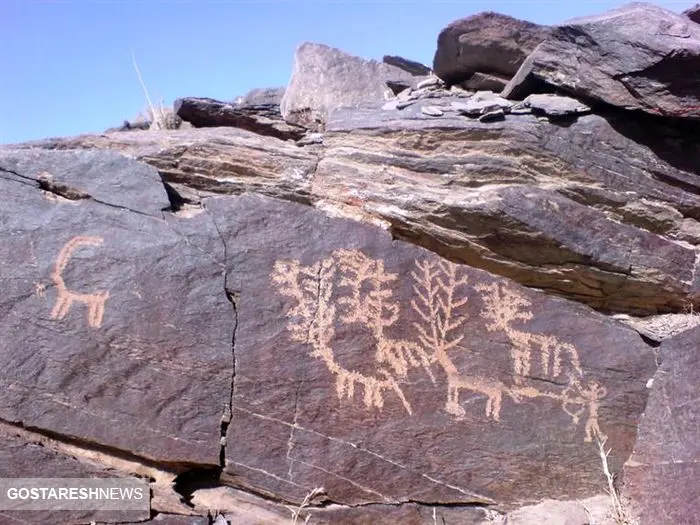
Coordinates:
[487,43]
[324,78]
[263,119]
[410,66]
[693,13]
[635,57]
[416,304]
[661,476]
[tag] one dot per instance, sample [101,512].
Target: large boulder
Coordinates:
[102,307]
[324,78]
[623,187]
[635,57]
[693,13]
[263,119]
[410,66]
[386,374]
[489,43]
[662,475]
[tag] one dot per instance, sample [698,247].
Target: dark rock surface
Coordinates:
[263,119]
[485,43]
[386,319]
[634,57]
[486,197]
[337,367]
[98,319]
[491,194]
[485,82]
[693,13]
[410,66]
[22,459]
[661,476]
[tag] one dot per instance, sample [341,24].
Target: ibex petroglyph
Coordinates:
[95,301]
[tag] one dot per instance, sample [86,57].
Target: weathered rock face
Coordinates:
[335,330]
[693,13]
[263,119]
[410,66]
[484,194]
[324,78]
[485,43]
[560,206]
[661,477]
[262,99]
[634,57]
[102,306]
[386,374]
[22,459]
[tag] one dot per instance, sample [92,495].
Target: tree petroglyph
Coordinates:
[348,287]
[65,299]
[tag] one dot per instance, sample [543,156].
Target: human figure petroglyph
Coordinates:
[349,287]
[65,299]
[504,306]
[587,397]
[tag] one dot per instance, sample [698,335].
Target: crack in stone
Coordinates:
[270,474]
[65,191]
[295,425]
[95,454]
[387,499]
[483,499]
[232,296]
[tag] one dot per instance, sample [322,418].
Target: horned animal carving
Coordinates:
[65,299]
[348,287]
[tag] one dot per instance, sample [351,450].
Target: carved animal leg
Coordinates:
[452,405]
[63,304]
[493,406]
[496,406]
[96,309]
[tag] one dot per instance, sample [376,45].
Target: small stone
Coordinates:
[404,104]
[310,139]
[432,111]
[481,103]
[391,105]
[492,116]
[405,94]
[459,106]
[555,105]
[429,82]
[520,109]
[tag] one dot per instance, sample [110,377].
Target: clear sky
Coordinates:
[66,67]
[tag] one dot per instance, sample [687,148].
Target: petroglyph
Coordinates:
[348,287]
[503,307]
[65,299]
[436,286]
[313,318]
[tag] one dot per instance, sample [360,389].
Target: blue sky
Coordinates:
[67,69]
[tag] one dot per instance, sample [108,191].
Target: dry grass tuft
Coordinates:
[621,513]
[158,115]
[318,491]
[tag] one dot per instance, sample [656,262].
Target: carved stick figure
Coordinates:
[593,394]
[95,302]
